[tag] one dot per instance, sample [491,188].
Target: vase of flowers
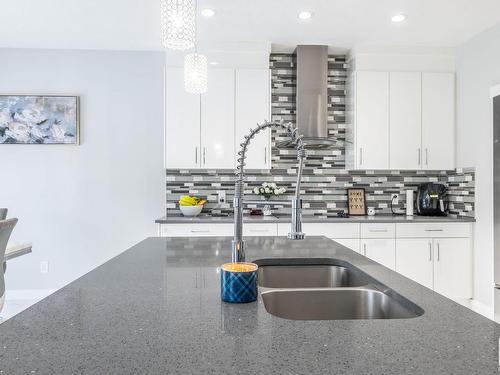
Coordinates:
[268,190]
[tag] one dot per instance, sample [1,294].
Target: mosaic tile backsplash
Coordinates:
[325,179]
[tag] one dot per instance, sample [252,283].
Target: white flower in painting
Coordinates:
[18,131]
[262,190]
[57,133]
[267,190]
[256,190]
[264,184]
[273,185]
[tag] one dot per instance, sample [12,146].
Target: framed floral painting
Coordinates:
[39,119]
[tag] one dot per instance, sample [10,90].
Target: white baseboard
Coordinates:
[27,294]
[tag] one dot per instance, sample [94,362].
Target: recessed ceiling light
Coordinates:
[398,18]
[305,15]
[213,63]
[207,12]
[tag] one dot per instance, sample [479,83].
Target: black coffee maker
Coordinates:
[432,199]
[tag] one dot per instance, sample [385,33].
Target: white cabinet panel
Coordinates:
[252,107]
[453,267]
[378,230]
[182,128]
[372,120]
[380,250]
[405,120]
[414,260]
[332,230]
[438,120]
[260,230]
[217,121]
[196,230]
[433,230]
[351,243]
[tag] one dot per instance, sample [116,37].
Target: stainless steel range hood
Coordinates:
[312,97]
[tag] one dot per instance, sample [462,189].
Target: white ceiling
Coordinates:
[134,24]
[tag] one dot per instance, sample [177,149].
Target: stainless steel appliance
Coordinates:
[495,94]
[312,99]
[432,199]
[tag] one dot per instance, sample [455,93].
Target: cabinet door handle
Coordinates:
[430,252]
[204,155]
[438,250]
[360,155]
[364,249]
[265,155]
[196,155]
[426,156]
[419,156]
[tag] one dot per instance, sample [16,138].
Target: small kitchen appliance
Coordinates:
[432,199]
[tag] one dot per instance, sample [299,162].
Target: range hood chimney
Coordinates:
[312,97]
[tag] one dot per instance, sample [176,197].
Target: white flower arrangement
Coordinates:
[269,189]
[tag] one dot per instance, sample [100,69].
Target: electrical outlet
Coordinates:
[395,199]
[221,197]
[44,266]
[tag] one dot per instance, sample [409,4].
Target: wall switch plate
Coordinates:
[221,197]
[44,267]
[395,199]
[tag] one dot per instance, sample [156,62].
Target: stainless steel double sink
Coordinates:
[327,289]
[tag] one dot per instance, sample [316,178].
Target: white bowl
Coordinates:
[191,210]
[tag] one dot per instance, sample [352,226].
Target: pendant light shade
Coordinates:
[195,73]
[178,24]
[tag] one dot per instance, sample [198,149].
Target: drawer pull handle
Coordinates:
[200,231]
[379,230]
[434,230]
[430,252]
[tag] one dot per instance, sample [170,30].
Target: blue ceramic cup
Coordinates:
[238,282]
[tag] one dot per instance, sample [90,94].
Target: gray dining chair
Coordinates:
[6,227]
[3,213]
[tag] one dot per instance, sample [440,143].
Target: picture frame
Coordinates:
[39,119]
[356,202]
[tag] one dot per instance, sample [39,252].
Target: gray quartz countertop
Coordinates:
[177,219]
[156,309]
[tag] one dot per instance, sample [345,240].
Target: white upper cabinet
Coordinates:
[217,120]
[182,130]
[252,107]
[371,121]
[438,120]
[405,112]
[400,120]
[204,131]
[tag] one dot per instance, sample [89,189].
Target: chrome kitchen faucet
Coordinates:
[238,244]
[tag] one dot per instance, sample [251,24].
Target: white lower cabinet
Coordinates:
[441,264]
[414,260]
[436,255]
[381,250]
[453,267]
[350,243]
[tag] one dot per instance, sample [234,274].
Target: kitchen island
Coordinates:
[156,309]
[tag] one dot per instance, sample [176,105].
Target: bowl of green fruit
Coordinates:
[191,206]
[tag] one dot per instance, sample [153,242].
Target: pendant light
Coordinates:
[195,69]
[178,24]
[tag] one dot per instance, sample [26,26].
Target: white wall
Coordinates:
[478,68]
[81,205]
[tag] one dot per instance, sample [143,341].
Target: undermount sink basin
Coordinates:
[327,289]
[309,276]
[335,304]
